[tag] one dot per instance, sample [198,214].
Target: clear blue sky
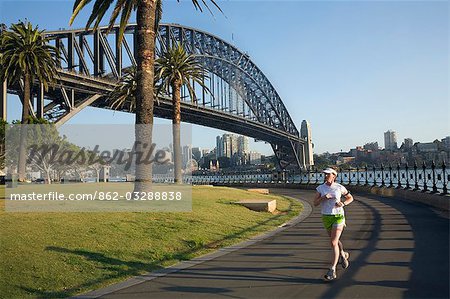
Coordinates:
[353,69]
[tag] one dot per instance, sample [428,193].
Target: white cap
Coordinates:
[330,170]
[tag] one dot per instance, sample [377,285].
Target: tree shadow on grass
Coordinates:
[114,268]
[120,269]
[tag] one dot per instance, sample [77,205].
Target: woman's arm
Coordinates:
[348,199]
[318,198]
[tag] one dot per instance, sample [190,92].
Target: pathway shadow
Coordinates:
[196,289]
[429,264]
[121,269]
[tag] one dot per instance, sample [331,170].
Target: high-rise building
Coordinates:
[242,145]
[197,153]
[219,147]
[254,157]
[234,147]
[390,140]
[227,145]
[186,155]
[305,133]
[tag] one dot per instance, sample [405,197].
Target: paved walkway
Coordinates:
[397,250]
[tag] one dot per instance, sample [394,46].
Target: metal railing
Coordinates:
[424,178]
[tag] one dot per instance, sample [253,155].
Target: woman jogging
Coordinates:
[332,197]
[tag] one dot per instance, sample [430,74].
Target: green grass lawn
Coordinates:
[52,254]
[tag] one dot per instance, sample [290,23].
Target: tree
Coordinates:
[174,69]
[123,94]
[148,13]
[45,144]
[3,125]
[26,56]
[44,147]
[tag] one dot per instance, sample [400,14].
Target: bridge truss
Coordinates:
[241,98]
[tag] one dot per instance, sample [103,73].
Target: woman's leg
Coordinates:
[334,237]
[341,246]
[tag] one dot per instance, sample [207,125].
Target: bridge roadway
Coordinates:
[397,250]
[96,89]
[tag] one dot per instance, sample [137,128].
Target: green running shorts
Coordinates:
[330,221]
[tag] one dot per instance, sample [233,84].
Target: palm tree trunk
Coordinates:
[145,39]
[23,129]
[176,95]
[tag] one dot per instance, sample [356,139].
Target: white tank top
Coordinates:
[328,206]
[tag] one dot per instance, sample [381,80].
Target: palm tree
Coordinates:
[26,55]
[147,20]
[174,69]
[123,94]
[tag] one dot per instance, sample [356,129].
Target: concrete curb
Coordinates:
[307,210]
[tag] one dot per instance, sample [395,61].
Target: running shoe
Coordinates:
[331,275]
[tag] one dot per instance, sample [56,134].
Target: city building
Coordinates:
[197,153]
[104,173]
[390,140]
[254,158]
[242,145]
[233,144]
[206,158]
[359,151]
[410,152]
[205,152]
[429,147]
[343,160]
[226,145]
[371,146]
[219,147]
[186,155]
[233,147]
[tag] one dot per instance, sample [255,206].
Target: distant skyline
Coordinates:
[353,69]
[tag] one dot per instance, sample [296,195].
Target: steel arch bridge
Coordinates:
[241,98]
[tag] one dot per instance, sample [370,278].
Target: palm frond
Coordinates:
[25,50]
[101,11]
[124,94]
[198,5]
[177,65]
[125,7]
[77,7]
[129,6]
